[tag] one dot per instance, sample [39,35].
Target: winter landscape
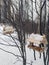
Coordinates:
[24,32]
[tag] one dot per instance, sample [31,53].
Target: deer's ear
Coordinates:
[3,28]
[44,36]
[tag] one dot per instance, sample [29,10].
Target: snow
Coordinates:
[9,59]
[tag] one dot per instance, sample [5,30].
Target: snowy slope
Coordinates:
[9,59]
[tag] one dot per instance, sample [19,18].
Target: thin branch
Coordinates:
[10,53]
[16,45]
[14,41]
[36,8]
[43,4]
[8,45]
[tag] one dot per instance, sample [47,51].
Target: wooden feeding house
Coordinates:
[37,42]
[8,30]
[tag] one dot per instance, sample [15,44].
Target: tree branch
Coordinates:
[36,8]
[10,53]
[8,45]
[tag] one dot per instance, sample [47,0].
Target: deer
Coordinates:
[8,29]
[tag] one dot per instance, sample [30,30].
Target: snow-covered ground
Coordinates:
[9,59]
